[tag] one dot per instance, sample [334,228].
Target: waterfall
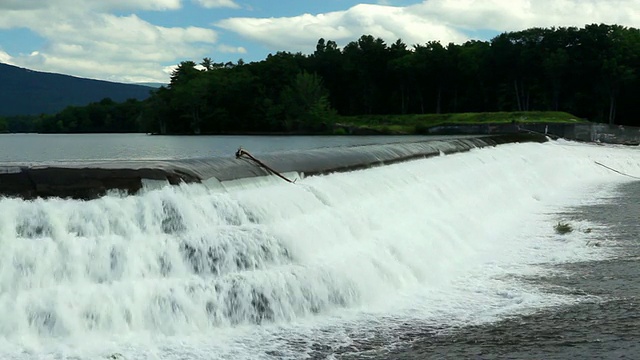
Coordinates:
[194,259]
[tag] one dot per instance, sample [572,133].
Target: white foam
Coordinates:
[245,268]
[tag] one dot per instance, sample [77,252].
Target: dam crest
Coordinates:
[93,179]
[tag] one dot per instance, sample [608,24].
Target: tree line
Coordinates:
[591,72]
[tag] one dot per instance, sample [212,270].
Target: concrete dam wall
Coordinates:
[88,180]
[589,132]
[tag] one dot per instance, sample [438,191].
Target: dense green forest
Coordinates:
[591,72]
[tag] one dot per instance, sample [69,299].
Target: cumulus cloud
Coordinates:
[83,41]
[158,5]
[300,33]
[86,38]
[91,4]
[217,3]
[511,15]
[21,4]
[443,20]
[231,49]
[5,58]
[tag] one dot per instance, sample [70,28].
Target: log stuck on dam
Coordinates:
[92,179]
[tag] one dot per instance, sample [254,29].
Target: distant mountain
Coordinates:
[152,84]
[28,92]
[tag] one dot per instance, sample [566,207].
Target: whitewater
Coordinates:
[346,263]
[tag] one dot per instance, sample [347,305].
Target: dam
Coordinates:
[348,264]
[91,179]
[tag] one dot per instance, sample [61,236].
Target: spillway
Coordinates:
[261,268]
[92,179]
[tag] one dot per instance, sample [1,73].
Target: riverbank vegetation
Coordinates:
[540,75]
[419,123]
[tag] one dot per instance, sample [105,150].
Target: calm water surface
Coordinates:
[66,147]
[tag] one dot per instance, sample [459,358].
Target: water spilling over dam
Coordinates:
[91,179]
[260,268]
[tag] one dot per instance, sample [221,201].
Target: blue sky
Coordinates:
[143,40]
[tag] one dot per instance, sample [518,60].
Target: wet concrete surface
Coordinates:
[88,180]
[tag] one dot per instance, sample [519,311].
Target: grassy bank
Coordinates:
[411,124]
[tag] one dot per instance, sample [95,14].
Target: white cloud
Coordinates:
[21,4]
[107,5]
[513,15]
[231,49]
[5,58]
[85,37]
[444,20]
[113,70]
[217,3]
[300,33]
[90,4]
[101,45]
[158,5]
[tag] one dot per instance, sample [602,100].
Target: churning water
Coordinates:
[348,263]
